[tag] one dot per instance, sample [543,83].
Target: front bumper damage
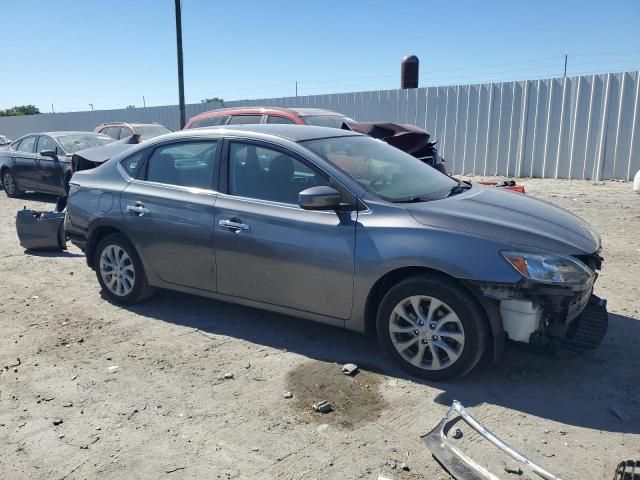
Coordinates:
[548,317]
[457,463]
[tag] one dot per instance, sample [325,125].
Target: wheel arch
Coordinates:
[383,284]
[95,237]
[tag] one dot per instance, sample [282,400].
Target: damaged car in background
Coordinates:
[337,227]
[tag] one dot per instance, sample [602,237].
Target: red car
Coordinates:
[250,115]
[119,130]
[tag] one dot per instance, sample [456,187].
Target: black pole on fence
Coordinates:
[180,68]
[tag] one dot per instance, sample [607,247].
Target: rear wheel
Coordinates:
[120,271]
[432,327]
[10,185]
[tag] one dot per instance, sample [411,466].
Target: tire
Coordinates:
[10,185]
[459,335]
[120,271]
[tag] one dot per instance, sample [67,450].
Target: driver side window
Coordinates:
[45,143]
[267,174]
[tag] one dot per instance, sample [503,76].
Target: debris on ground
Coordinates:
[514,469]
[458,464]
[57,421]
[13,365]
[113,369]
[350,369]
[405,467]
[288,395]
[174,469]
[322,407]
[228,376]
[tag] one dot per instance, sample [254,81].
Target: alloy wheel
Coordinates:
[9,184]
[117,271]
[426,332]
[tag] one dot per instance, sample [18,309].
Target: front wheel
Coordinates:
[432,327]
[120,271]
[10,185]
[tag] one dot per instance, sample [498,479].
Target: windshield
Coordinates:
[149,131]
[73,143]
[382,169]
[333,121]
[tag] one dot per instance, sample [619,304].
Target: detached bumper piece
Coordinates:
[588,330]
[459,465]
[42,230]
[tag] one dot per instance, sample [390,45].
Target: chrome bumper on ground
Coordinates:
[459,465]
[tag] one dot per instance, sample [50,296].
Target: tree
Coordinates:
[212,100]
[20,110]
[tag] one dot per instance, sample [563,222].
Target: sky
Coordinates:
[73,53]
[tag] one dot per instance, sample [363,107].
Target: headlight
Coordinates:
[553,269]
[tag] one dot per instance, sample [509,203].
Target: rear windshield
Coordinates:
[149,131]
[74,143]
[333,121]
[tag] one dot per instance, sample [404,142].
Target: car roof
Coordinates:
[134,124]
[63,133]
[266,110]
[295,133]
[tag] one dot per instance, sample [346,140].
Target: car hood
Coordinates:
[510,218]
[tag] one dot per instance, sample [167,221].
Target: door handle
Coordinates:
[138,209]
[234,226]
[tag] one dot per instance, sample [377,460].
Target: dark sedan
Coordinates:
[42,162]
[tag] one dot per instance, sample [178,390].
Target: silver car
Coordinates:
[337,227]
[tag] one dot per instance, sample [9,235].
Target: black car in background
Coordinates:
[42,162]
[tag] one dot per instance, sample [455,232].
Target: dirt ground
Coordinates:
[105,392]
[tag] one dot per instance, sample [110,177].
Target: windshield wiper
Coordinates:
[461,187]
[413,200]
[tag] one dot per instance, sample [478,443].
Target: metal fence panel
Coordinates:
[578,127]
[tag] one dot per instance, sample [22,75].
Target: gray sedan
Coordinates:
[337,227]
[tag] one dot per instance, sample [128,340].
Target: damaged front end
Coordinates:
[554,305]
[460,465]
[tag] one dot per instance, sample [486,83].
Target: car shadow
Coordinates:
[576,391]
[39,197]
[52,253]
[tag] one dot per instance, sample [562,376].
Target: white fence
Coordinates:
[578,127]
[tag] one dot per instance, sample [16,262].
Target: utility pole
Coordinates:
[565,65]
[52,110]
[144,103]
[296,89]
[91,105]
[180,69]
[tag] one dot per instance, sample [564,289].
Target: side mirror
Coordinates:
[48,153]
[319,198]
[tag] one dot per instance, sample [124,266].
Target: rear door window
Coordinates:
[113,132]
[27,145]
[133,164]
[187,164]
[125,132]
[245,119]
[210,122]
[280,120]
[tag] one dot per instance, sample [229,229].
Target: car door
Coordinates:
[169,212]
[24,163]
[49,170]
[270,250]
